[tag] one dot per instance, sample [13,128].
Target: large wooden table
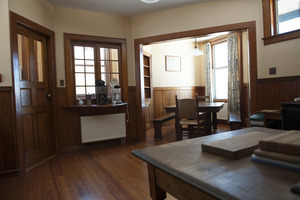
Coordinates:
[211,109]
[184,171]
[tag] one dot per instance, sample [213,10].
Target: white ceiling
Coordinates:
[129,8]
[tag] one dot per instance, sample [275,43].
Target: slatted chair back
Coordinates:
[186,108]
[187,115]
[204,98]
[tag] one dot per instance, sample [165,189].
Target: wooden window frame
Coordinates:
[270,25]
[69,39]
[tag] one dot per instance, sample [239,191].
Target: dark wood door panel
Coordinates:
[36,137]
[28,133]
[26,97]
[41,97]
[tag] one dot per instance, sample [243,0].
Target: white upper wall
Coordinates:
[63,20]
[5,62]
[202,15]
[89,23]
[284,55]
[192,67]
[38,11]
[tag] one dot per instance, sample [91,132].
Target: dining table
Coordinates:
[209,108]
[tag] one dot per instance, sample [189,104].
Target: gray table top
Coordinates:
[219,176]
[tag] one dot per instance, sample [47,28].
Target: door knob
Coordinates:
[49,96]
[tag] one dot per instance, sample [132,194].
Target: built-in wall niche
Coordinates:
[147,74]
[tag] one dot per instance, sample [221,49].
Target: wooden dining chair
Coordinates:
[203,98]
[187,117]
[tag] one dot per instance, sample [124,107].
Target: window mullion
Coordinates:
[97,62]
[224,67]
[84,69]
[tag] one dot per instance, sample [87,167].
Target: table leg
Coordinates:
[208,123]
[214,115]
[157,130]
[156,193]
[176,127]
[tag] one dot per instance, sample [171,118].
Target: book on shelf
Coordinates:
[275,162]
[287,142]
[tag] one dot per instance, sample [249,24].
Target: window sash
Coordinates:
[270,25]
[219,94]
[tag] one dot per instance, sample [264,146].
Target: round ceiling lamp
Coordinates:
[150,1]
[196,51]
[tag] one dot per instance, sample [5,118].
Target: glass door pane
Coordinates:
[38,58]
[84,65]
[23,51]
[109,60]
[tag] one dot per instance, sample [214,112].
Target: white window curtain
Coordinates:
[233,75]
[208,72]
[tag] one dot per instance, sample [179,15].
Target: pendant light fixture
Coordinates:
[196,51]
[150,1]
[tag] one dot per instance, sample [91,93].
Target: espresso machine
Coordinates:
[101,92]
[116,97]
[115,91]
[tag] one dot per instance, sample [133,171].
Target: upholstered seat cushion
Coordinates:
[257,119]
[190,122]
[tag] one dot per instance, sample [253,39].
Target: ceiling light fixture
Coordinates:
[196,51]
[150,1]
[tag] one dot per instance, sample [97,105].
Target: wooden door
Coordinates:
[33,96]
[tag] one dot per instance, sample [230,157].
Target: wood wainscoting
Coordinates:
[273,91]
[8,154]
[165,96]
[131,128]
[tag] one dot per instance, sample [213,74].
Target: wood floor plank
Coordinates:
[99,172]
[83,178]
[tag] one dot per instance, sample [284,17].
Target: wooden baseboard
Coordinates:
[111,142]
[72,148]
[222,121]
[40,162]
[10,173]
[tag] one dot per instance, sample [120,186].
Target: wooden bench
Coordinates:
[235,121]
[158,122]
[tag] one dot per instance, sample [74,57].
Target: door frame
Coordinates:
[17,20]
[138,54]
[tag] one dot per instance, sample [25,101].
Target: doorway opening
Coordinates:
[250,27]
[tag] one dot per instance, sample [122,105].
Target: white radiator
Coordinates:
[102,127]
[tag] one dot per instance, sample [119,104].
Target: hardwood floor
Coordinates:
[108,172]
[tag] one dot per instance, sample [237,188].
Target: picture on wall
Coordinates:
[173,63]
